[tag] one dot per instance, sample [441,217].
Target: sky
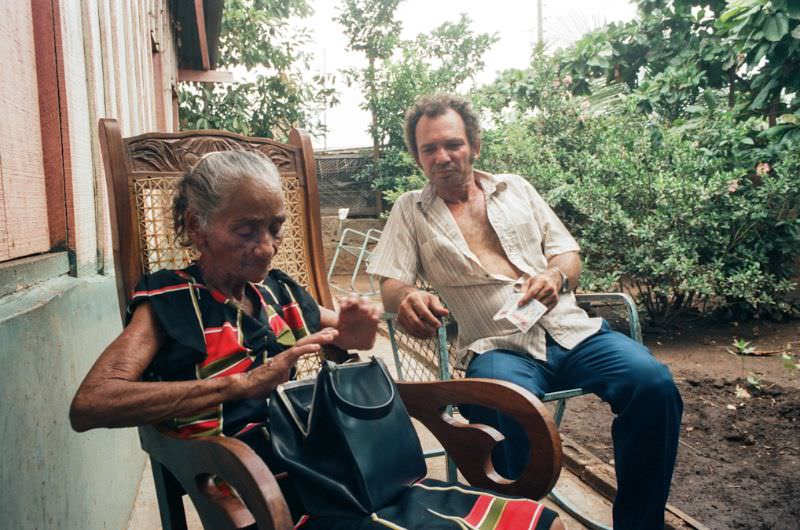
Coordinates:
[513,20]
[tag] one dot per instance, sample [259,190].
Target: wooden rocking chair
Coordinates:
[141,172]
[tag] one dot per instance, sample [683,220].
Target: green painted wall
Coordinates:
[52,477]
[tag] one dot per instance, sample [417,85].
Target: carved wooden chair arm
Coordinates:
[470,445]
[193,461]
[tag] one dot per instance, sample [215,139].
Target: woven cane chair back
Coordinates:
[142,173]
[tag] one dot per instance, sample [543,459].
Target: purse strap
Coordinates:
[355,409]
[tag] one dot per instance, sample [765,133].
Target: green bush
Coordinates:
[396,173]
[692,216]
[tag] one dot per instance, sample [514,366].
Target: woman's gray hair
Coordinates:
[204,188]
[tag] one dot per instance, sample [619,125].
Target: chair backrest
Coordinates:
[142,173]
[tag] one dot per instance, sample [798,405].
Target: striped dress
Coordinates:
[209,336]
[434,505]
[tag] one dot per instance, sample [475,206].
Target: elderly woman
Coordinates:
[206,344]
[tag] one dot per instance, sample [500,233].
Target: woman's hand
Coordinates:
[357,323]
[259,382]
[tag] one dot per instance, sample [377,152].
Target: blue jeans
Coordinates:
[625,375]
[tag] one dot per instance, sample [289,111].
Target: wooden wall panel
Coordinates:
[145,83]
[79,167]
[169,64]
[120,75]
[93,40]
[23,198]
[107,67]
[4,253]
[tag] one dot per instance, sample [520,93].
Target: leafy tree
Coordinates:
[765,35]
[681,50]
[370,28]
[256,36]
[671,55]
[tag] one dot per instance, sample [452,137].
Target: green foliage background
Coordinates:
[670,145]
[257,36]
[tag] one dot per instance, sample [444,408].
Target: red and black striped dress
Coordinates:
[434,505]
[209,336]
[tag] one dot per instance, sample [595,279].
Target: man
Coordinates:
[479,240]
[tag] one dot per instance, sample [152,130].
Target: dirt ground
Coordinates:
[739,457]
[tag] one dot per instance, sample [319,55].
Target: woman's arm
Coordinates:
[113,395]
[357,322]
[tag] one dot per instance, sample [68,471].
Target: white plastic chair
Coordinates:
[358,244]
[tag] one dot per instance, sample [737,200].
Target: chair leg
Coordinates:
[558,415]
[452,470]
[361,253]
[170,498]
[333,262]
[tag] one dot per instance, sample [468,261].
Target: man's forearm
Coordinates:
[392,293]
[570,264]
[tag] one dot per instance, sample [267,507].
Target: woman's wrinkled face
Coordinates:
[244,234]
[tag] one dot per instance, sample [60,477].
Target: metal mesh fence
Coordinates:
[336,171]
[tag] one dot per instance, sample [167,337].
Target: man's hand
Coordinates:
[544,287]
[259,382]
[357,323]
[419,313]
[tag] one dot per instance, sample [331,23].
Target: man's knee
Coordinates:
[639,379]
[653,382]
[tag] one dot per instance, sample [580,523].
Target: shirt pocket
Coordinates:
[529,243]
[443,264]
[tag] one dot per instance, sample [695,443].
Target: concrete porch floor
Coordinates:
[145,514]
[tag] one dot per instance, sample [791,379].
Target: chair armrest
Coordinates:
[619,298]
[470,445]
[193,461]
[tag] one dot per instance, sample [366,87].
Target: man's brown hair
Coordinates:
[436,105]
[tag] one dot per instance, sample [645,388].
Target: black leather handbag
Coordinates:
[346,439]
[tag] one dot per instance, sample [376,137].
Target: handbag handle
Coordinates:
[354,409]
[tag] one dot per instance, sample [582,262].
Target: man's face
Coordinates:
[444,151]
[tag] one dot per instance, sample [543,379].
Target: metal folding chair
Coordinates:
[358,244]
[434,359]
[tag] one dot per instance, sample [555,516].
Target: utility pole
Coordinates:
[325,108]
[539,24]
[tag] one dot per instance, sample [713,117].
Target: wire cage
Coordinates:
[338,187]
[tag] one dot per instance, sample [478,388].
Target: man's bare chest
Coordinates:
[478,233]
